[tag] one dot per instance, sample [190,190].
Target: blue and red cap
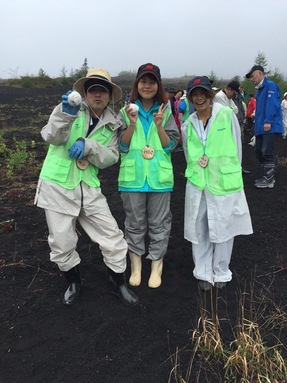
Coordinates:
[199,82]
[149,69]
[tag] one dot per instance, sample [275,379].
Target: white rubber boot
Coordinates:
[136,269]
[155,276]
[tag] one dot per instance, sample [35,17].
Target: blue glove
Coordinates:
[73,110]
[77,150]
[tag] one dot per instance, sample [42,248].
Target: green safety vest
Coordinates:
[135,170]
[61,169]
[223,174]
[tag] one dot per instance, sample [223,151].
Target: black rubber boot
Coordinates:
[75,284]
[118,287]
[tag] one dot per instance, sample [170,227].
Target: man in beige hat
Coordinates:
[83,139]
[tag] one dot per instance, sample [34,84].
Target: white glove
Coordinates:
[252,141]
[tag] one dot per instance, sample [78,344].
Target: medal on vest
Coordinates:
[82,163]
[203,161]
[148,152]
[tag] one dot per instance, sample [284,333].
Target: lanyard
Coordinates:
[203,160]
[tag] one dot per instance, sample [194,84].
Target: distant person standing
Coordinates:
[226,95]
[170,93]
[268,123]
[242,92]
[284,114]
[230,96]
[177,101]
[250,113]
[241,112]
[176,104]
[185,109]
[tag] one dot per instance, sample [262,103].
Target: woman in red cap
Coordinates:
[147,137]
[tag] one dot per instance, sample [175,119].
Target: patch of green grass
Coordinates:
[20,156]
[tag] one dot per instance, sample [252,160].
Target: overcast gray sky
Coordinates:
[185,37]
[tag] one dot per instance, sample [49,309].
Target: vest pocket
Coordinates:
[165,172]
[127,171]
[231,178]
[194,178]
[56,169]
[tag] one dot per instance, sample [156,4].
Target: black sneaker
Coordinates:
[264,183]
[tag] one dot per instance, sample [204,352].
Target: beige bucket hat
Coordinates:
[103,76]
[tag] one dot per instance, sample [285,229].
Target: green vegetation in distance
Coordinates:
[125,78]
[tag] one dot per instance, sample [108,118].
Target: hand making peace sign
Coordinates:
[158,117]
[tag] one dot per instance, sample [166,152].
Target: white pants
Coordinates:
[211,259]
[101,227]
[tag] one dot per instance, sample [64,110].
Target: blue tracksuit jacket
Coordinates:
[268,108]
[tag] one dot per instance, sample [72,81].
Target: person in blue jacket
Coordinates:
[268,123]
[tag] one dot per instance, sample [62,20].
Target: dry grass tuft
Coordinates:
[254,355]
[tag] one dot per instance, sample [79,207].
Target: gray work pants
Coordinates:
[147,213]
